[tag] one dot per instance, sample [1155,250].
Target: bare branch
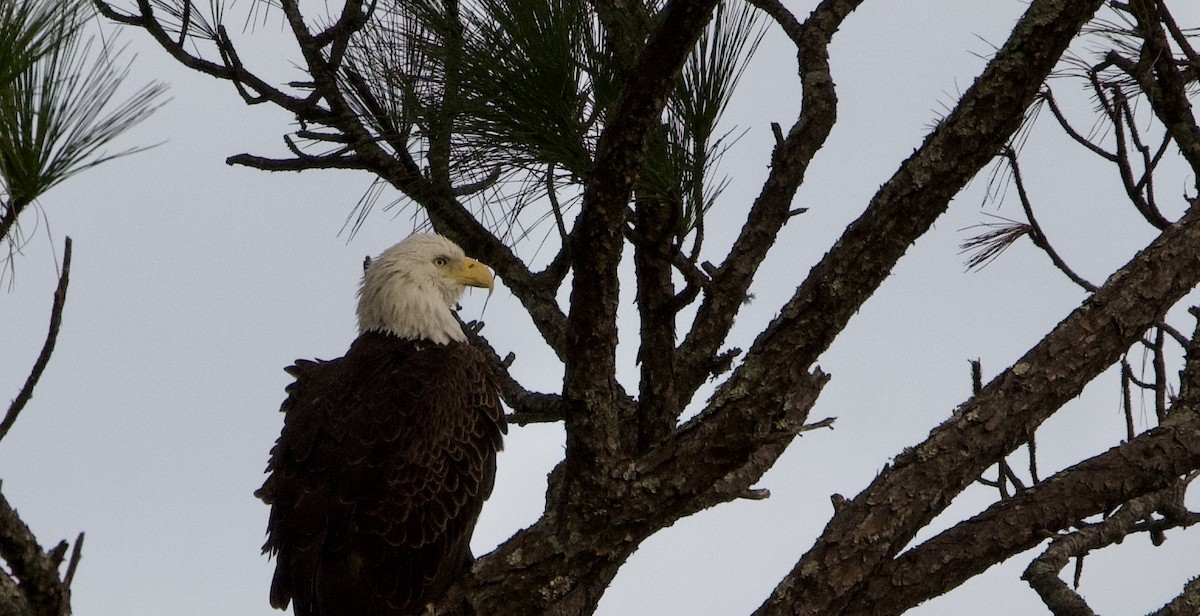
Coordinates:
[1177,34]
[1035,230]
[1048,96]
[236,74]
[39,366]
[790,26]
[655,221]
[301,163]
[1127,399]
[73,564]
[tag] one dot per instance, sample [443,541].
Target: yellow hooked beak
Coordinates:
[472,273]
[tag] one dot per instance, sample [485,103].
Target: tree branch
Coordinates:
[1153,461]
[43,358]
[746,409]
[593,431]
[35,569]
[1036,234]
[924,479]
[528,406]
[1048,96]
[301,163]
[1146,463]
[1043,573]
[726,291]
[233,73]
[1158,77]
[655,222]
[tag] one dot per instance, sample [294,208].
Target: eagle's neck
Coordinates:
[408,311]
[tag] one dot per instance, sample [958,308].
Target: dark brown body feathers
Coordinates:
[379,475]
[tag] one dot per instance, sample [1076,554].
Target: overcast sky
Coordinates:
[194,283]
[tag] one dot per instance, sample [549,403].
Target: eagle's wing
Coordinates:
[384,462]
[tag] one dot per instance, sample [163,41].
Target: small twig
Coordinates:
[991,483]
[76,553]
[1147,385]
[302,155]
[39,366]
[1035,230]
[313,135]
[1160,376]
[1048,96]
[1033,469]
[555,207]
[185,22]
[695,280]
[1127,399]
[755,494]
[1143,188]
[1000,482]
[1012,477]
[817,425]
[1174,333]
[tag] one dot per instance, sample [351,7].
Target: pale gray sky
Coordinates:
[195,283]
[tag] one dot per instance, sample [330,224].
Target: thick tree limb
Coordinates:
[1152,461]
[924,479]
[593,431]
[655,220]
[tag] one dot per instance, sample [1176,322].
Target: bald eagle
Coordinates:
[386,454]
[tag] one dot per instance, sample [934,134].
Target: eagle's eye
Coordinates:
[440,261]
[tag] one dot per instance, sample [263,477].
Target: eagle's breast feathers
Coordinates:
[381,469]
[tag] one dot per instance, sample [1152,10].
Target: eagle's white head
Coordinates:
[410,289]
